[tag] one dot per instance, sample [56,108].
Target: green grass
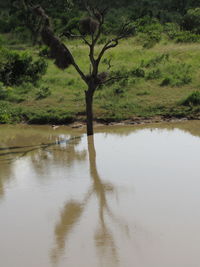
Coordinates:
[171,74]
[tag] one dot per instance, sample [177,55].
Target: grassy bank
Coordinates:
[160,81]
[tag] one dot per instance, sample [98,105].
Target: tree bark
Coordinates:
[89,111]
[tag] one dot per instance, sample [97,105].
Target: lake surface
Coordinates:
[129,197]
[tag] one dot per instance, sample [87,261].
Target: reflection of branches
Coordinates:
[103,237]
[68,219]
[24,150]
[73,210]
[12,153]
[60,155]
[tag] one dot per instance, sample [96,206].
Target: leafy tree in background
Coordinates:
[191,21]
[64,13]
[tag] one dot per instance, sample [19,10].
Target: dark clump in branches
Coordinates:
[58,51]
[88,26]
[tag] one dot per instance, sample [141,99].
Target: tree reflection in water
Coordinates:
[37,154]
[71,214]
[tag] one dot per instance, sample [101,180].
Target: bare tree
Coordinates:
[90,29]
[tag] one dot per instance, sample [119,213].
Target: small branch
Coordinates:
[108,62]
[110,44]
[114,42]
[68,34]
[41,13]
[115,79]
[79,71]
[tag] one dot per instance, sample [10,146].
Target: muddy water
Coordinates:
[129,197]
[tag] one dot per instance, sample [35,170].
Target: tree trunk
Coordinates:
[89,111]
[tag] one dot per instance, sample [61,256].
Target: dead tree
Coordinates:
[90,29]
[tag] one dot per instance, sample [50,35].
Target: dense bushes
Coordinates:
[191,21]
[149,31]
[16,68]
[8,113]
[177,75]
[186,37]
[192,100]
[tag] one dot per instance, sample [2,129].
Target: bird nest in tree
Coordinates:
[88,25]
[58,51]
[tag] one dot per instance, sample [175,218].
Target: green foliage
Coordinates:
[21,34]
[138,72]
[192,100]
[16,68]
[10,94]
[118,91]
[154,74]
[1,41]
[148,24]
[43,92]
[151,39]
[191,21]
[155,61]
[5,113]
[44,52]
[8,113]
[143,93]
[148,16]
[177,75]
[3,92]
[149,30]
[51,115]
[186,37]
[171,29]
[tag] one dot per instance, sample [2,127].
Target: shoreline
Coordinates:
[133,122]
[80,122]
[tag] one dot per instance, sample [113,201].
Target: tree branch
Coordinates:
[115,78]
[69,34]
[41,13]
[79,71]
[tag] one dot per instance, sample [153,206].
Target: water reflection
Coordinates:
[61,153]
[133,203]
[58,151]
[5,174]
[71,214]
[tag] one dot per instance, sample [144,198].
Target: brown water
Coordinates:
[130,197]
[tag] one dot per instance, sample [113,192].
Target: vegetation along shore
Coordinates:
[159,65]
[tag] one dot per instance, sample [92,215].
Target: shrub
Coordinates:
[143,93]
[154,74]
[152,39]
[41,116]
[118,91]
[191,21]
[155,61]
[16,68]
[149,30]
[171,29]
[44,52]
[123,82]
[43,92]
[167,81]
[9,94]
[3,92]
[192,100]
[148,24]
[21,33]
[1,41]
[177,75]
[5,116]
[186,37]
[138,72]
[9,114]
